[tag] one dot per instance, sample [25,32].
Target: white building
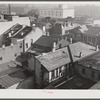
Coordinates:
[60,12]
[15,19]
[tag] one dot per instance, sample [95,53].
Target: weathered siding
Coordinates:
[9,53]
[88,72]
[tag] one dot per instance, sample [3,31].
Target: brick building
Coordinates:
[60,12]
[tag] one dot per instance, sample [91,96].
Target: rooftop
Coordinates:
[93,31]
[44,44]
[92,61]
[8,67]
[47,41]
[53,60]
[15,28]
[84,49]
[23,32]
[9,80]
[96,86]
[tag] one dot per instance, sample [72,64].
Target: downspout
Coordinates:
[72,63]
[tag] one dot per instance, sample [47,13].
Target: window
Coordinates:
[52,74]
[60,70]
[26,45]
[89,39]
[20,45]
[56,72]
[0,58]
[93,40]
[85,38]
[93,74]
[98,77]
[83,71]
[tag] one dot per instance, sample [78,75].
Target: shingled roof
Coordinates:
[93,31]
[53,60]
[84,49]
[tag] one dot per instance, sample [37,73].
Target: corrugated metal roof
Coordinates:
[12,79]
[7,81]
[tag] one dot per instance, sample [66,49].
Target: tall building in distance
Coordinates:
[61,11]
[4,9]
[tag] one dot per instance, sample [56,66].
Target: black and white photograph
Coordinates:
[50,45]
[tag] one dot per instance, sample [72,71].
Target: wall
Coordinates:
[1,39]
[87,72]
[1,18]
[50,13]
[9,24]
[69,27]
[46,78]
[38,78]
[91,41]
[8,53]
[68,13]
[31,64]
[63,42]
[35,35]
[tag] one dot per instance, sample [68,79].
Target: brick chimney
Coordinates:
[44,28]
[3,45]
[97,48]
[71,40]
[9,34]
[80,54]
[11,44]
[54,47]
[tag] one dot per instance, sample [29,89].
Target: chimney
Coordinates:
[9,34]
[11,44]
[3,46]
[22,34]
[12,31]
[43,54]
[33,25]
[54,47]
[97,48]
[80,54]
[44,28]
[47,33]
[71,40]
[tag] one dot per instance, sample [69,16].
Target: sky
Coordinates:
[46,4]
